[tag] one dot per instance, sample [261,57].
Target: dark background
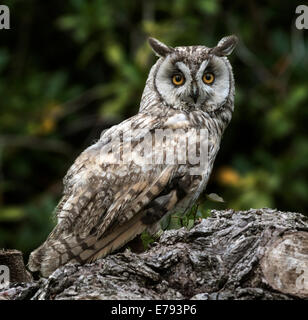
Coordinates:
[70,69]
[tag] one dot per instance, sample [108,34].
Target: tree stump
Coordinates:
[13,261]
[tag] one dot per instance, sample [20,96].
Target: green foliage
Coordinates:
[147,239]
[69,70]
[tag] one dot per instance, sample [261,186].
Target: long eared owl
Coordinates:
[127,181]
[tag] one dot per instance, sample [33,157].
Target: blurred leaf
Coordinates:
[214,197]
[208,6]
[228,176]
[11,214]
[114,54]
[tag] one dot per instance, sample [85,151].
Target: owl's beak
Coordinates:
[194,93]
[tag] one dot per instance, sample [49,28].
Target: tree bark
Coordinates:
[254,254]
[14,261]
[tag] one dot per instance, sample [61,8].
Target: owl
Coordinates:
[130,179]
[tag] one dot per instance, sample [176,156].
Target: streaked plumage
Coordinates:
[106,204]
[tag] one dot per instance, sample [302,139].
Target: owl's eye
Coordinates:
[178,79]
[208,78]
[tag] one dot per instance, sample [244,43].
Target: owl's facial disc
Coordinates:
[194,81]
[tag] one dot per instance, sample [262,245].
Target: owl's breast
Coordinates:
[177,121]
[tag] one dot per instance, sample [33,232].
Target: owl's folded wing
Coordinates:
[102,210]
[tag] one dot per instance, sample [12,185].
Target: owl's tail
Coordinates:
[74,249]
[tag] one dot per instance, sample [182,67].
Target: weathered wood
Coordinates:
[254,254]
[14,261]
[285,264]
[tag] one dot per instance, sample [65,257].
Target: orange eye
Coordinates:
[208,78]
[178,79]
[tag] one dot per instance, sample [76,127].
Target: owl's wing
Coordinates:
[103,210]
[132,213]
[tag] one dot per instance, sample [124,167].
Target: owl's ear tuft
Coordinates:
[160,49]
[225,46]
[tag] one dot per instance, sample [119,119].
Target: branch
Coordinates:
[255,254]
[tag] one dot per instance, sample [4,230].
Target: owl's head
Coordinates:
[194,77]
